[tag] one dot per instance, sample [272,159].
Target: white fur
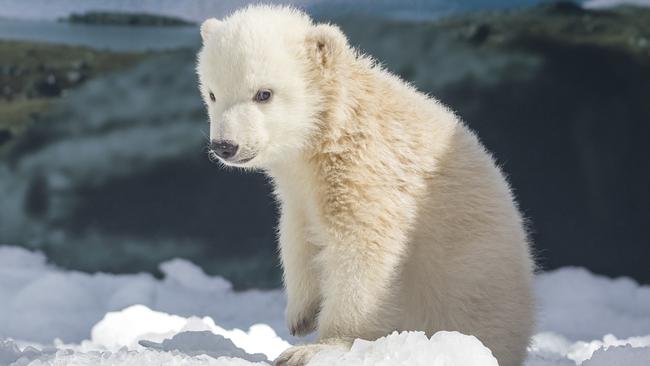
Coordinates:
[250,52]
[393,216]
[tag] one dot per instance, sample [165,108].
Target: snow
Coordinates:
[620,356]
[580,351]
[76,301]
[125,357]
[412,349]
[579,305]
[129,327]
[49,316]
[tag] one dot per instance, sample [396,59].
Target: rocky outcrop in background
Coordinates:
[130,19]
[115,176]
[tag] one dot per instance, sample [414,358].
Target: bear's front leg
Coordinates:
[356,280]
[358,263]
[357,285]
[300,278]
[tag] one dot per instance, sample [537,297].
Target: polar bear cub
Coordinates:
[393,215]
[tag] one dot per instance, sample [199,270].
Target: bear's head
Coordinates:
[264,73]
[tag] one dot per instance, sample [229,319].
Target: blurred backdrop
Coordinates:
[103,162]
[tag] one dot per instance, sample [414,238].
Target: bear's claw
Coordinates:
[303,327]
[301,323]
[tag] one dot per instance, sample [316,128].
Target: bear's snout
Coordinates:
[223,148]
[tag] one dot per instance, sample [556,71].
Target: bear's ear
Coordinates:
[325,44]
[209,27]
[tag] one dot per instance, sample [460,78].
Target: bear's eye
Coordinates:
[263,95]
[212,98]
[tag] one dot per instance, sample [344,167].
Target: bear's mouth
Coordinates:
[243,160]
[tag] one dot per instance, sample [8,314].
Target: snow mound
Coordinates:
[620,356]
[204,343]
[558,347]
[411,349]
[205,348]
[138,324]
[122,357]
[581,306]
[41,303]
[190,318]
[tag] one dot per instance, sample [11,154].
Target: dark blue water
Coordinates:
[198,10]
[119,38]
[35,20]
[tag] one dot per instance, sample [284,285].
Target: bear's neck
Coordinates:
[352,101]
[346,123]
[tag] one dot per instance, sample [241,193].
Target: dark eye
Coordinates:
[212,98]
[263,95]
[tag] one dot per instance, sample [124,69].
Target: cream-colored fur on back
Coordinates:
[393,215]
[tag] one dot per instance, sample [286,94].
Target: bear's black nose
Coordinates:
[224,149]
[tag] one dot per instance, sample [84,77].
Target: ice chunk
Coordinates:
[582,351]
[47,304]
[620,356]
[125,357]
[204,343]
[411,349]
[9,352]
[140,290]
[580,305]
[127,327]
[186,274]
[39,302]
[554,347]
[20,258]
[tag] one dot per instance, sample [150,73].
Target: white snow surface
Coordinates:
[50,316]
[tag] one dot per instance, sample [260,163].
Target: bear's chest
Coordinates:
[298,188]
